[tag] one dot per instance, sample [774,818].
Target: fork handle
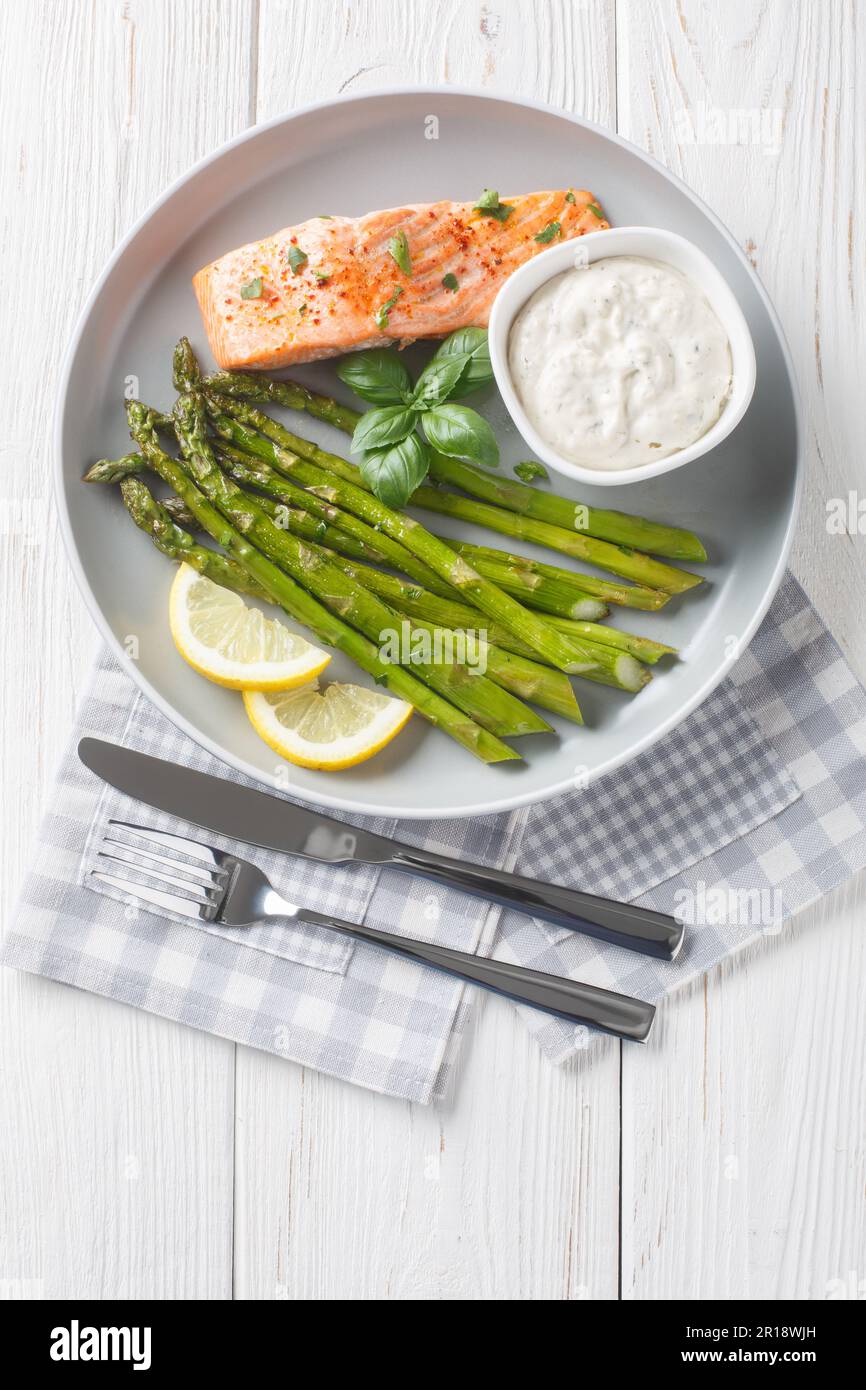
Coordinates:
[626,1018]
[619,924]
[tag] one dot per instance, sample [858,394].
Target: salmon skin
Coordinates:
[331,285]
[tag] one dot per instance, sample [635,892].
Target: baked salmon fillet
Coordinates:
[335,284]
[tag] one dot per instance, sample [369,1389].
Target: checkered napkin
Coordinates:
[751,809]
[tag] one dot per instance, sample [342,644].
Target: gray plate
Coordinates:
[350,156]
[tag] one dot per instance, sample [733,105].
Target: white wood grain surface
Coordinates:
[142,1159]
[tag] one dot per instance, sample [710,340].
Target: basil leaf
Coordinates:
[437,380]
[594,207]
[450,282]
[398,249]
[297,258]
[380,318]
[569,197]
[548,233]
[386,425]
[394,473]
[530,470]
[461,433]
[252,290]
[470,344]
[489,206]
[377,375]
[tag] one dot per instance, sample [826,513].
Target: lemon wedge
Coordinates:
[336,728]
[233,644]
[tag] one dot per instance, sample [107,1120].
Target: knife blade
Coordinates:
[257,818]
[242,813]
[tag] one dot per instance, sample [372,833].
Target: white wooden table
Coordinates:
[142,1159]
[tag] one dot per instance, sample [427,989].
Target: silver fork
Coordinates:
[193,880]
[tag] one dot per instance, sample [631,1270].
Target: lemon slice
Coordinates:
[233,644]
[340,727]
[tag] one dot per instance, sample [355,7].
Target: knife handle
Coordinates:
[619,924]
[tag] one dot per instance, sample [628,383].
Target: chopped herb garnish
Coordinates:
[530,470]
[303,309]
[594,207]
[252,290]
[450,282]
[489,206]
[326,216]
[322,276]
[297,258]
[569,197]
[381,315]
[548,233]
[398,249]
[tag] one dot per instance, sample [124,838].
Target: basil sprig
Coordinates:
[395,457]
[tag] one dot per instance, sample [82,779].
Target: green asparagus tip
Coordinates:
[186,371]
[113,470]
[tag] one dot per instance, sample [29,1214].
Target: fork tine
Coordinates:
[195,874]
[195,892]
[171,902]
[194,848]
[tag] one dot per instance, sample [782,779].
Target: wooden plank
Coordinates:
[510,1190]
[117,1160]
[743,1121]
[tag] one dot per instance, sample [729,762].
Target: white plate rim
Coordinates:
[323,797]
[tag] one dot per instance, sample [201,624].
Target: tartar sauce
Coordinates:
[620,362]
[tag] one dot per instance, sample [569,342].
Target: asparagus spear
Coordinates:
[622,595]
[113,470]
[617,559]
[524,677]
[619,527]
[644,648]
[299,604]
[153,518]
[544,640]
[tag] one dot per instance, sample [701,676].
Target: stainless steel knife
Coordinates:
[255,817]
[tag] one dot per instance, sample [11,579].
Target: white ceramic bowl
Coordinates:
[657,245]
